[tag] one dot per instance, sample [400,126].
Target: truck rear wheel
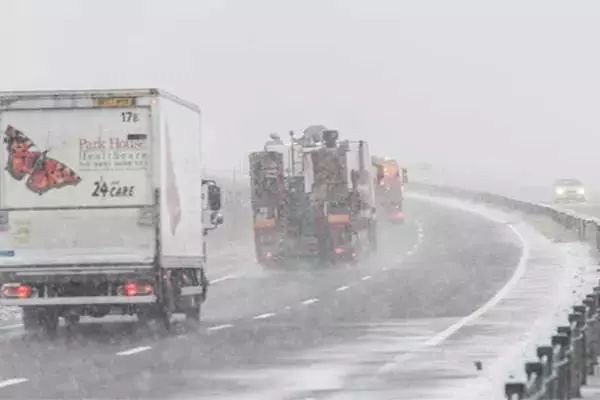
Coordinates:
[40,319]
[30,318]
[372,236]
[49,319]
[193,313]
[192,307]
[71,320]
[164,317]
[144,315]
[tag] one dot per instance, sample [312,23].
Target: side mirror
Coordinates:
[214,197]
[404,175]
[217,218]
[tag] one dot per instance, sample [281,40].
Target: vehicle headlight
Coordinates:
[581,191]
[559,190]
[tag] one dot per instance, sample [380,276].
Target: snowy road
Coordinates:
[287,334]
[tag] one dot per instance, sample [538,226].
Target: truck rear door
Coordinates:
[75,186]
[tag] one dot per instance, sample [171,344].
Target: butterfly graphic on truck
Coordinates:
[24,159]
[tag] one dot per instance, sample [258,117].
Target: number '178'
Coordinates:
[129,116]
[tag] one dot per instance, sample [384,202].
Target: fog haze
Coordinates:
[504,88]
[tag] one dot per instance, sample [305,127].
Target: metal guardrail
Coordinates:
[562,366]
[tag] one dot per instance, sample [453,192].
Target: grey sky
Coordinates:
[499,87]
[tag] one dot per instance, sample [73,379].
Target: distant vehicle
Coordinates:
[389,185]
[393,211]
[569,190]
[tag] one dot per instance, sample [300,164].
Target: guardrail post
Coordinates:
[546,355]
[514,390]
[536,368]
[596,294]
[562,369]
[590,333]
[577,352]
[590,303]
[595,328]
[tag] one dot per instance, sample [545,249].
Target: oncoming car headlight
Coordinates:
[559,191]
[581,191]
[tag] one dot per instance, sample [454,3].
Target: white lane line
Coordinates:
[491,303]
[386,268]
[135,350]
[409,253]
[310,301]
[13,381]
[519,271]
[264,316]
[219,327]
[223,278]
[342,288]
[14,326]
[287,307]
[366,277]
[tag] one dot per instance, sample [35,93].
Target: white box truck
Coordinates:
[103,208]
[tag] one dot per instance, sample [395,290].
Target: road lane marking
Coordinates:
[310,301]
[366,277]
[13,381]
[517,274]
[287,307]
[440,337]
[14,326]
[264,316]
[409,253]
[135,350]
[342,288]
[223,278]
[219,327]
[386,268]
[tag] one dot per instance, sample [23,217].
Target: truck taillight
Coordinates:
[339,250]
[16,291]
[338,218]
[262,223]
[136,289]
